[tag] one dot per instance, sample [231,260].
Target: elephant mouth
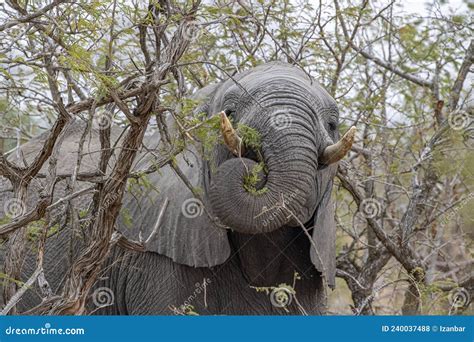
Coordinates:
[260,191]
[253,154]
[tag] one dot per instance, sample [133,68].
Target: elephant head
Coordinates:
[296,122]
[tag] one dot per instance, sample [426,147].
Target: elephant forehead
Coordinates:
[278,80]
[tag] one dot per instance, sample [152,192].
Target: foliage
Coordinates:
[34,230]
[252,178]
[251,138]
[207,132]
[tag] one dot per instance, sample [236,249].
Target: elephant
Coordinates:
[232,250]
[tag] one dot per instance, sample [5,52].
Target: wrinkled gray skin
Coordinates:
[297,119]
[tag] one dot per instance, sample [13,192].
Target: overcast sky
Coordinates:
[420,6]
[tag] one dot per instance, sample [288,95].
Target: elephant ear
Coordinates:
[185,232]
[324,231]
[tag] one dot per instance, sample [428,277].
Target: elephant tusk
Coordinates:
[335,152]
[231,138]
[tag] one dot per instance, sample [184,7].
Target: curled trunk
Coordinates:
[288,180]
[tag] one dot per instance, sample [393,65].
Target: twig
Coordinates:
[17,296]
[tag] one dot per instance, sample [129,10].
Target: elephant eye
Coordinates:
[332,126]
[230,113]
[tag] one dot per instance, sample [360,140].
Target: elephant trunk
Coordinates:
[280,190]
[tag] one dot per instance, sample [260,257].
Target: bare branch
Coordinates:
[462,74]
